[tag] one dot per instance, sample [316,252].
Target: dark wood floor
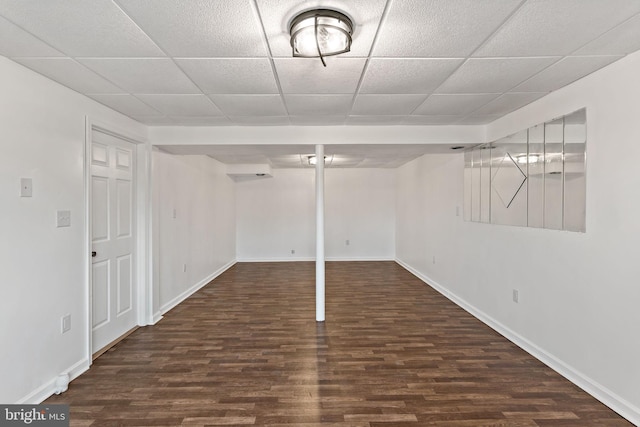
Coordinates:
[246,350]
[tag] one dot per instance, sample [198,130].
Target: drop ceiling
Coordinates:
[296,156]
[228,62]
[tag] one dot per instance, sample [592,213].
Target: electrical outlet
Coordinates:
[66,323]
[293,251]
[346,242]
[434,259]
[184,268]
[516,295]
[175,213]
[26,187]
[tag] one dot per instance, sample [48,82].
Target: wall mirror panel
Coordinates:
[575,158]
[534,178]
[508,180]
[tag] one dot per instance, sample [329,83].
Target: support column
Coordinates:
[320,233]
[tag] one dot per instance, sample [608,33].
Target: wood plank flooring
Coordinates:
[246,350]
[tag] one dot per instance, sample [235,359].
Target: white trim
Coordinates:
[300,259]
[195,288]
[618,404]
[157,316]
[87,239]
[144,232]
[356,259]
[48,389]
[339,259]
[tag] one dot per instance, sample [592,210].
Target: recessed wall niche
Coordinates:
[533,178]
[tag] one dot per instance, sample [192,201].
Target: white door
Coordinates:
[112,237]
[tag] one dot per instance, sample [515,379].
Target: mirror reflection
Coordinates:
[533,178]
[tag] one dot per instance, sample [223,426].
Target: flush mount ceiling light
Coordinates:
[311,160]
[319,33]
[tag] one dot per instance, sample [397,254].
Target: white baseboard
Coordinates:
[157,316]
[313,259]
[298,259]
[195,288]
[607,397]
[49,388]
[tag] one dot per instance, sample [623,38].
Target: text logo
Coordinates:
[34,415]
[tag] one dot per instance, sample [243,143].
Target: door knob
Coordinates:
[93,254]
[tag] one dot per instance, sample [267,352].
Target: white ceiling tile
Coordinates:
[277,15]
[323,105]
[374,120]
[439,28]
[230,75]
[81,28]
[507,103]
[563,72]
[200,28]
[201,120]
[621,40]
[308,76]
[246,159]
[491,75]
[149,75]
[479,119]
[432,120]
[552,27]
[373,151]
[126,104]
[386,104]
[395,163]
[324,120]
[414,75]
[285,161]
[250,105]
[260,120]
[70,73]
[182,105]
[339,155]
[115,51]
[373,163]
[345,162]
[16,42]
[155,120]
[440,105]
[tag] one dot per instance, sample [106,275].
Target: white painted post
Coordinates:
[320,233]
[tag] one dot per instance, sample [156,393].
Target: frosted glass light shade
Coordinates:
[319,33]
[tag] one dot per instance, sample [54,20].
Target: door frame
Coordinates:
[142,239]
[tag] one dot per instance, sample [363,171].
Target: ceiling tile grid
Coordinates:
[71,74]
[127,104]
[182,104]
[228,62]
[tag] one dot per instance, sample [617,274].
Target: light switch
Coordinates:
[63,218]
[26,187]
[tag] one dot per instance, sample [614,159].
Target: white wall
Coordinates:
[202,234]
[42,271]
[277,215]
[360,207]
[579,293]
